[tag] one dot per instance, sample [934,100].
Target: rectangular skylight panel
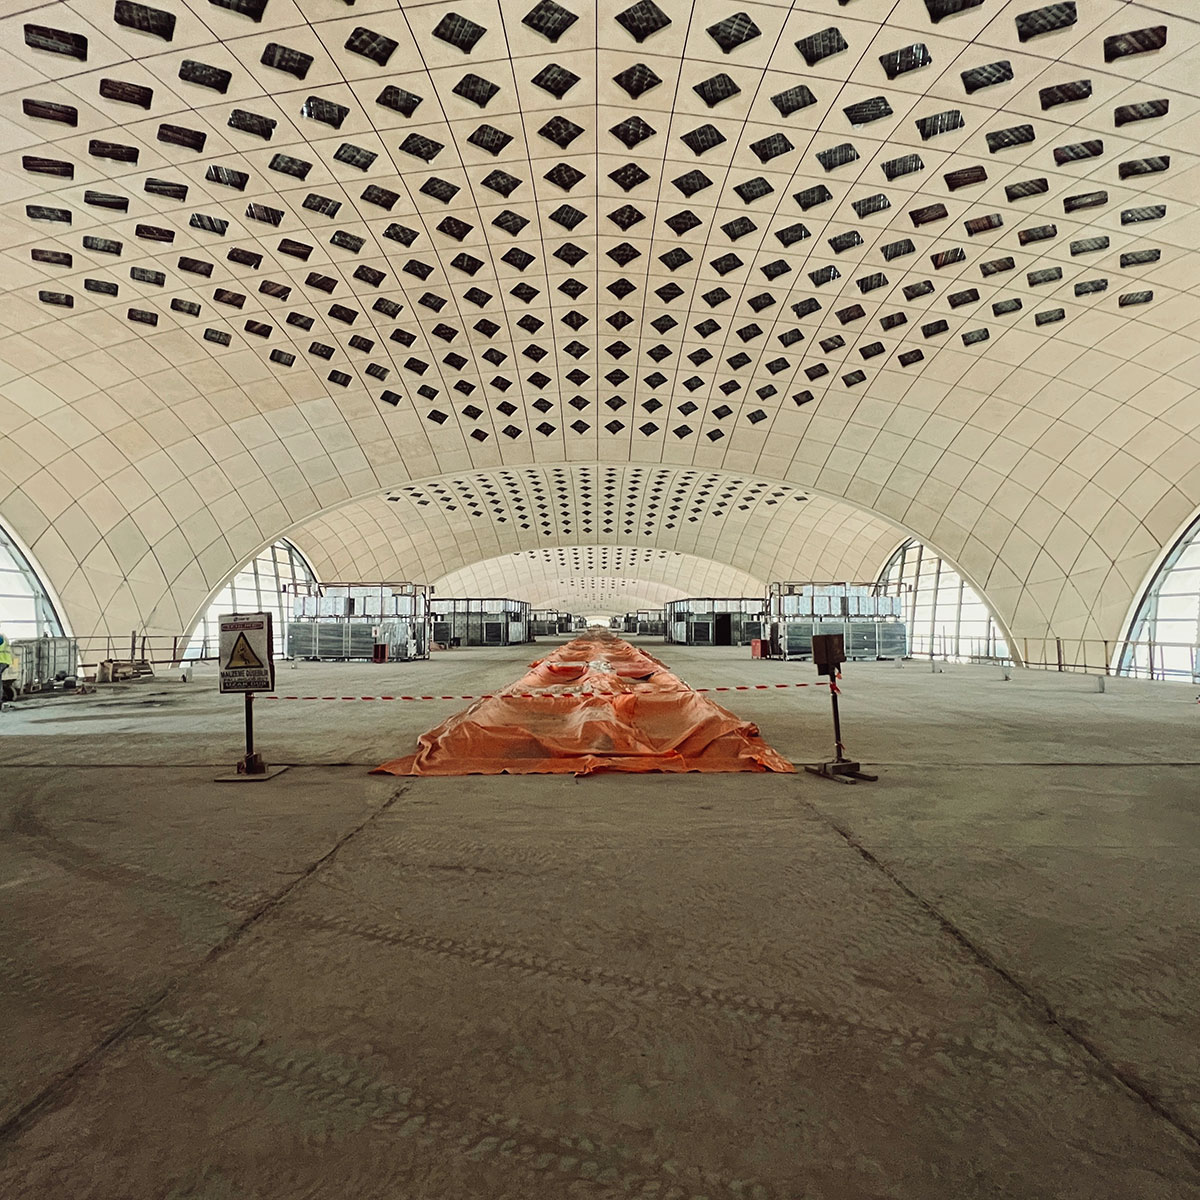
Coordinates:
[294,62]
[249,122]
[1135,258]
[298,168]
[145,19]
[1151,212]
[328,112]
[1137,41]
[983,224]
[263,212]
[126,93]
[178,135]
[1036,233]
[57,41]
[947,258]
[228,177]
[964,177]
[245,258]
[1125,113]
[106,200]
[819,46]
[1084,200]
[906,165]
[811,197]
[943,122]
[253,9]
[355,156]
[1016,135]
[203,221]
[115,151]
[203,75]
[1027,187]
[167,188]
[907,58]
[48,166]
[398,100]
[871,204]
[53,258]
[987,76]
[928,214]
[1064,93]
[375,46]
[46,110]
[1045,20]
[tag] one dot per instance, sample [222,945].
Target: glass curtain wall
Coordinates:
[25,608]
[947,618]
[257,587]
[1164,636]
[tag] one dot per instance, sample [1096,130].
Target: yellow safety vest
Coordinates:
[6,658]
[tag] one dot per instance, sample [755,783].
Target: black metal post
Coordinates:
[837,724]
[249,727]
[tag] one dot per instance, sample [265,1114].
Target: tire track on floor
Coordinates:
[1122,1076]
[46,844]
[528,964]
[54,1091]
[499,1139]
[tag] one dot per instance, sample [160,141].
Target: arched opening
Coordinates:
[256,587]
[1163,639]
[26,610]
[947,617]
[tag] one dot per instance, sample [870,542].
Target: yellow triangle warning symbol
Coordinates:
[242,656]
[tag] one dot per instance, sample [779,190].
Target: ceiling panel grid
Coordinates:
[266,256]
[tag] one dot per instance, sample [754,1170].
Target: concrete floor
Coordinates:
[977,977]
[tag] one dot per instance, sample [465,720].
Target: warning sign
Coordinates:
[246,661]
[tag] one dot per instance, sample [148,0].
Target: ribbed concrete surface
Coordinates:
[963,981]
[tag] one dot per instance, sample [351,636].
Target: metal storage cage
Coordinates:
[869,616]
[646,622]
[486,621]
[549,622]
[714,621]
[39,662]
[350,620]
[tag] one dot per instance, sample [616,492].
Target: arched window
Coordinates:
[1164,635]
[257,587]
[946,616]
[25,607]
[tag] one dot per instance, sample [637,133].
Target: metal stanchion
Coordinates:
[828,654]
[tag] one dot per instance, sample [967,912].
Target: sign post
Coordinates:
[829,652]
[247,665]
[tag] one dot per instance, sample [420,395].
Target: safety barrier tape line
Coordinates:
[747,687]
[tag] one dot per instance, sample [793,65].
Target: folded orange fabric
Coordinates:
[610,707]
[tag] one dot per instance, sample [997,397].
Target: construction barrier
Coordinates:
[596,704]
[741,687]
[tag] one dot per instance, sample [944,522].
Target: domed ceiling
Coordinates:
[934,258]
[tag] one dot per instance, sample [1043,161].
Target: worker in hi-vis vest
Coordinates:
[6,662]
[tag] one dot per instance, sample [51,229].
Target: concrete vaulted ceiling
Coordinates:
[270,262]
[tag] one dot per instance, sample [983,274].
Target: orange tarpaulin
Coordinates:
[604,706]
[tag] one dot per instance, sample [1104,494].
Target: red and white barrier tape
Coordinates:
[746,687]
